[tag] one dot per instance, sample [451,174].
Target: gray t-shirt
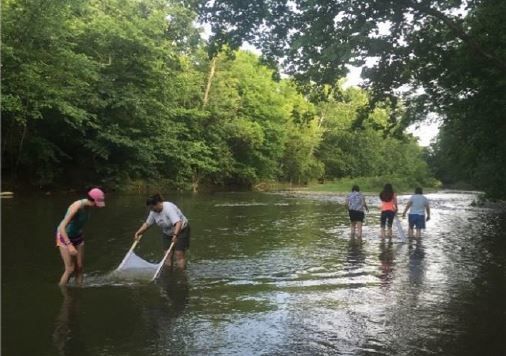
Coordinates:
[355,201]
[166,219]
[418,204]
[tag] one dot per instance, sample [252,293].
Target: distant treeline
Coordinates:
[436,56]
[113,91]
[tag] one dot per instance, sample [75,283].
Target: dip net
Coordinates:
[400,231]
[135,267]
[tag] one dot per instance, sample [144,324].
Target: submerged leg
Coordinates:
[69,265]
[359,230]
[79,264]
[168,261]
[180,260]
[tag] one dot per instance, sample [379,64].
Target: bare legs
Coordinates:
[69,265]
[356,226]
[73,265]
[79,265]
[359,230]
[180,259]
[388,233]
[411,233]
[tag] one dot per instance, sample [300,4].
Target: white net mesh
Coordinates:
[135,267]
[133,261]
[400,231]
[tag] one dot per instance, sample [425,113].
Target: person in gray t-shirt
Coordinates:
[355,202]
[174,225]
[418,204]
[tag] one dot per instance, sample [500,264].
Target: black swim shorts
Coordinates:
[183,240]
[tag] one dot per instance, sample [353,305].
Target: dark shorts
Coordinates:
[182,243]
[417,221]
[387,217]
[356,216]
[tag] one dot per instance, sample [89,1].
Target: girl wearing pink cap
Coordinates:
[69,235]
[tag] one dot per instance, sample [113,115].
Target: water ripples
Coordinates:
[274,274]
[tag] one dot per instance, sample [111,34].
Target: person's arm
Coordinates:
[142,229]
[177,230]
[427,207]
[365,204]
[396,207]
[149,221]
[176,221]
[406,209]
[347,202]
[72,210]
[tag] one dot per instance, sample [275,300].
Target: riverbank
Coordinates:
[343,185]
[369,185]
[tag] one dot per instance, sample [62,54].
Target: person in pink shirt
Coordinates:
[388,209]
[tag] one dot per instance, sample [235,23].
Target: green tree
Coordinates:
[46,84]
[453,50]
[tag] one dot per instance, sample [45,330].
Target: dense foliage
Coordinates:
[450,54]
[472,145]
[113,91]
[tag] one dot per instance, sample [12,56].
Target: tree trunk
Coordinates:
[209,81]
[195,182]
[20,150]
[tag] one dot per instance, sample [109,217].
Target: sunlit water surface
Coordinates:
[268,274]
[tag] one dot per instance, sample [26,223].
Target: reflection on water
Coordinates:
[66,336]
[386,258]
[355,257]
[416,265]
[267,274]
[156,306]
[175,286]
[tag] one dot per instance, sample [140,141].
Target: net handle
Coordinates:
[163,261]
[129,252]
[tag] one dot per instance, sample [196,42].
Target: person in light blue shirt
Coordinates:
[418,204]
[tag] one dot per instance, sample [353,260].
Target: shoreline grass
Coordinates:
[371,185]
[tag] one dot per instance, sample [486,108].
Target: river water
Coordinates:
[268,274]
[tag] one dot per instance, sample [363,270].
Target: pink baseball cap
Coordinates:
[98,196]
